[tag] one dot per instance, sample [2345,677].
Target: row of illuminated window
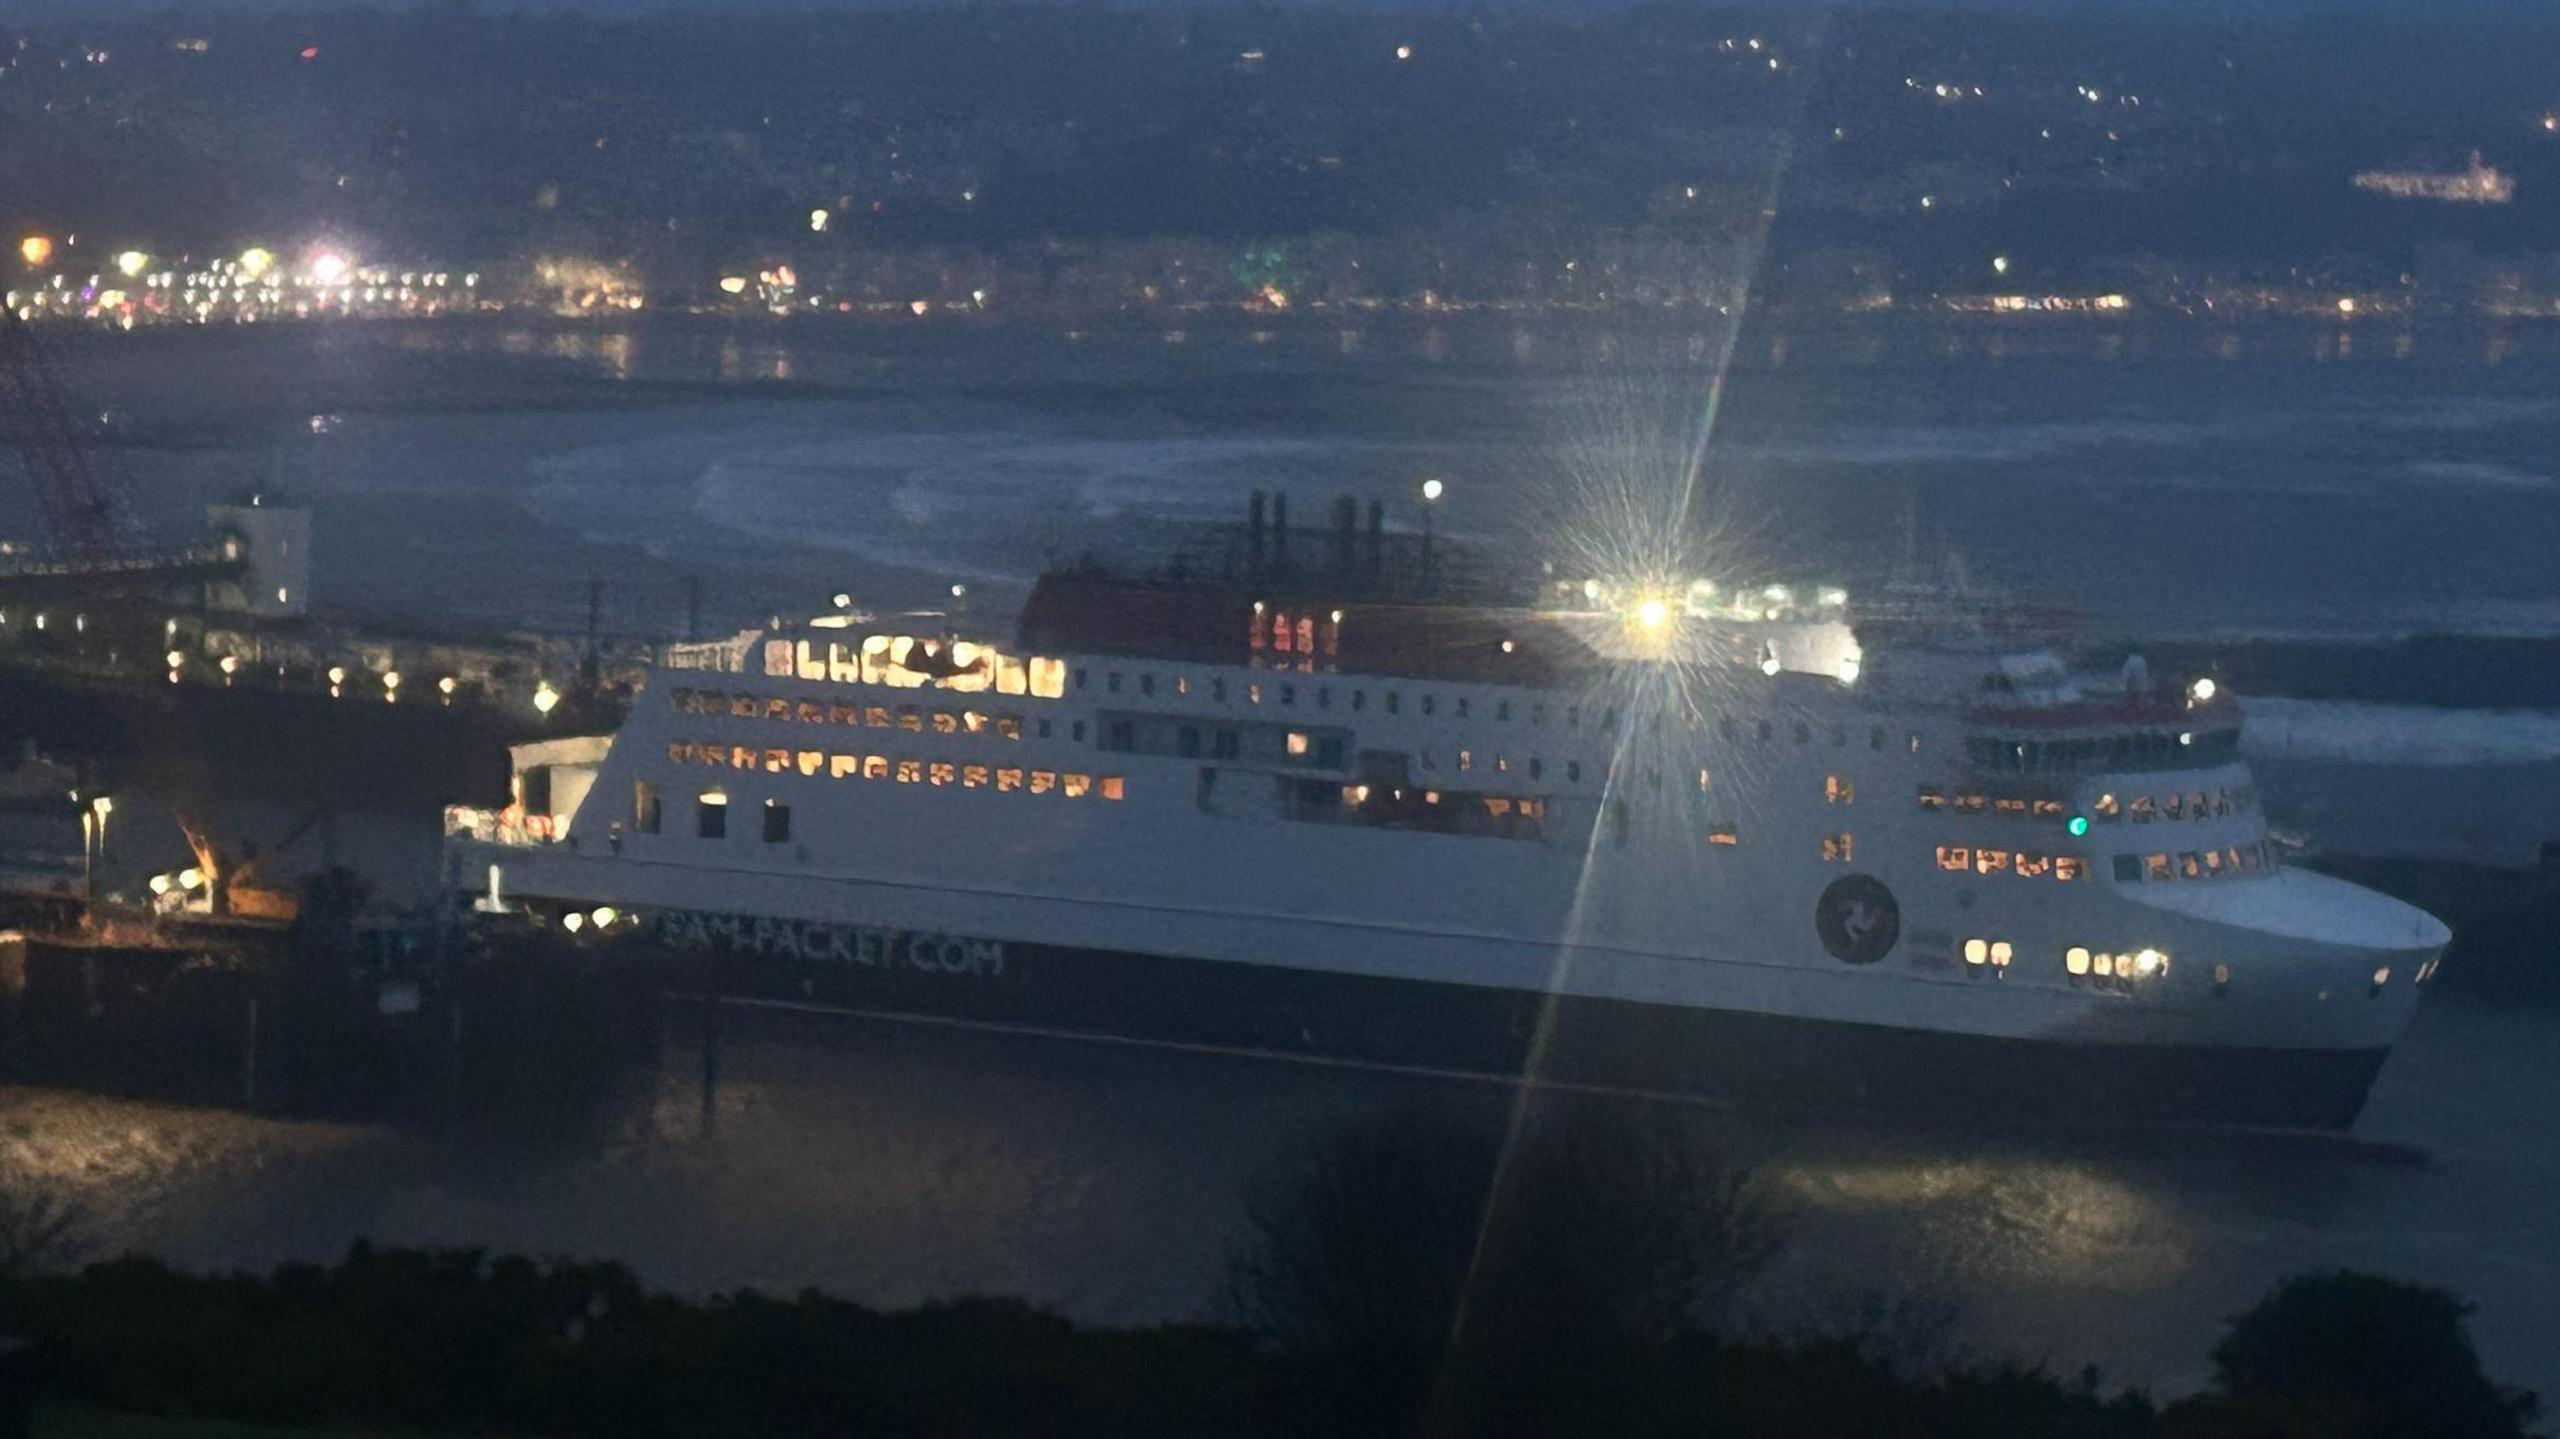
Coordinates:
[1992,956]
[1386,799]
[711,807]
[911,662]
[2195,804]
[834,765]
[1974,802]
[2024,863]
[2139,749]
[914,719]
[2229,862]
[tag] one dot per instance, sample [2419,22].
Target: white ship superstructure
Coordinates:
[1727,845]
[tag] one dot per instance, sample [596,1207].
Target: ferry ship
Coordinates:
[1654,836]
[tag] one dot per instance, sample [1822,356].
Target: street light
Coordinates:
[93,843]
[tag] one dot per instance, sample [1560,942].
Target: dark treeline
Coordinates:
[1412,1276]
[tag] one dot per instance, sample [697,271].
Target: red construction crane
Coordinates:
[78,507]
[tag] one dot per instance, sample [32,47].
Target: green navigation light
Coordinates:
[2079,825]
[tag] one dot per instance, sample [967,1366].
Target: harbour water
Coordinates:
[2330,482]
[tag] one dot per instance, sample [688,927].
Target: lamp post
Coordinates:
[1432,490]
[93,843]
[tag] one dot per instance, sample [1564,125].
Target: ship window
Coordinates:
[1124,735]
[2128,868]
[1875,738]
[2033,866]
[1075,731]
[2046,808]
[644,807]
[711,815]
[742,757]
[945,722]
[1253,694]
[1113,788]
[1502,709]
[2156,866]
[1218,690]
[973,722]
[1359,700]
[910,771]
[1076,786]
[742,706]
[1837,789]
[1079,677]
[1573,771]
[1803,732]
[1970,803]
[2001,954]
[777,822]
[911,719]
[812,712]
[812,760]
[777,761]
[1324,697]
[1462,706]
[1111,682]
[941,772]
[1043,781]
[1225,744]
[2213,864]
[1044,729]
[1186,741]
[839,766]
[1395,701]
[2246,857]
[1836,849]
[1915,744]
[1502,764]
[1296,744]
[2069,867]
[777,709]
[1466,760]
[875,767]
[1932,797]
[2195,806]
[1288,694]
[2014,808]
[1182,684]
[1723,834]
[2140,809]
[1990,861]
[2189,867]
[1146,684]
[2173,807]
[681,699]
[678,751]
[1706,780]
[877,716]
[2076,960]
[1956,857]
[1430,703]
[1537,768]
[1765,730]
[1977,951]
[1008,780]
[973,776]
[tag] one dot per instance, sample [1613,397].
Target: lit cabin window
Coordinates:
[1977,951]
[1836,849]
[812,712]
[1111,682]
[679,751]
[973,722]
[1182,684]
[1573,771]
[1705,781]
[2075,960]
[1501,764]
[2213,864]
[911,719]
[2156,866]
[910,771]
[973,776]
[742,757]
[777,761]
[2195,806]
[1838,789]
[2033,866]
[644,807]
[1395,701]
[777,709]
[1932,797]
[1146,684]
[1466,760]
[1990,861]
[742,706]
[1915,744]
[1010,726]
[777,822]
[2105,807]
[844,714]
[2068,867]
[1253,694]
[2173,806]
[2045,808]
[839,766]
[711,815]
[2189,866]
[1008,780]
[945,722]
[1075,786]
[1043,781]
[1970,804]
[875,767]
[941,772]
[2140,810]
[1113,787]
[2001,954]
[1955,857]
[1297,744]
[811,761]
[2009,808]
[877,716]
[1723,834]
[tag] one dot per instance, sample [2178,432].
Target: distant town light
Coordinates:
[1432,490]
[329,268]
[545,698]
[256,261]
[1404,52]
[818,221]
[2202,690]
[35,250]
[2346,304]
[1999,264]
[733,284]
[132,263]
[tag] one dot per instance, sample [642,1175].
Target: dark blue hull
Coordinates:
[1764,1061]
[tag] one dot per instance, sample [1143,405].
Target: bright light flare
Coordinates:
[330,268]
[132,263]
[35,250]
